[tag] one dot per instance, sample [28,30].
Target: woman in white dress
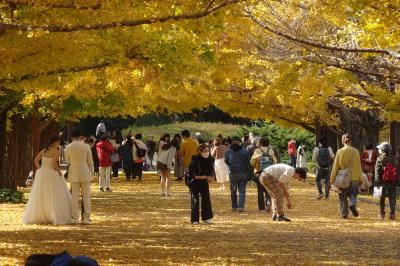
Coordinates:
[301,161]
[50,200]
[221,169]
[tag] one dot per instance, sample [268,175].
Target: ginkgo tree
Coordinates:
[70,59]
[314,61]
[293,62]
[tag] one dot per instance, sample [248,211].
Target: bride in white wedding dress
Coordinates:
[50,200]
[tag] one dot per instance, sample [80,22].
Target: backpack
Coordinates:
[323,158]
[389,173]
[139,151]
[265,160]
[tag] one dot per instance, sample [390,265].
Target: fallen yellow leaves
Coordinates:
[134,225]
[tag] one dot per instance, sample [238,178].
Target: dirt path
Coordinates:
[134,225]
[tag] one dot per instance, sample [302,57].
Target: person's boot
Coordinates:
[392,216]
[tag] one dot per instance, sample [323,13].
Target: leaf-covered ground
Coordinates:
[134,225]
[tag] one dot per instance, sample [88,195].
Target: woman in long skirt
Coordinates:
[221,169]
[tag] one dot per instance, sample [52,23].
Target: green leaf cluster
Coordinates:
[279,137]
[7,195]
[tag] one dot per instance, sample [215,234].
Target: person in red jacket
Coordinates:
[104,150]
[292,151]
[368,161]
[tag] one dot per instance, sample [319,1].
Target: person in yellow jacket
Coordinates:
[189,148]
[348,157]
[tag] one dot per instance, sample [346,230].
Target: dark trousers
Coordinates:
[197,189]
[293,161]
[128,170]
[323,173]
[264,199]
[390,191]
[138,170]
[115,167]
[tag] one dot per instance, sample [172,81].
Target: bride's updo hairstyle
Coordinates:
[53,138]
[346,139]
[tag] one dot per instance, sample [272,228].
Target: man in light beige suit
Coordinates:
[80,173]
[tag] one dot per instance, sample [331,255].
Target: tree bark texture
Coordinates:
[363,126]
[19,153]
[3,148]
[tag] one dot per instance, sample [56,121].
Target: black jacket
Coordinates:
[201,166]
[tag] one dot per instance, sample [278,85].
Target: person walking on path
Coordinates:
[275,179]
[139,152]
[218,152]
[80,175]
[323,157]
[164,165]
[127,157]
[262,158]
[104,150]
[348,158]
[238,161]
[201,172]
[151,150]
[292,152]
[387,177]
[178,162]
[189,148]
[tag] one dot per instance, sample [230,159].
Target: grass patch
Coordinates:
[208,130]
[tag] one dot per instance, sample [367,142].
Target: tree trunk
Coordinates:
[3,149]
[19,154]
[395,137]
[328,132]
[363,126]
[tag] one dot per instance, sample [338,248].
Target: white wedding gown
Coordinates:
[50,199]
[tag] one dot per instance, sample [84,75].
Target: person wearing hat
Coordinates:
[198,137]
[386,176]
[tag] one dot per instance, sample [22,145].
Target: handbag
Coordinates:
[342,178]
[377,192]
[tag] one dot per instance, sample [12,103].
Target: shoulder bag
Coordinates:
[342,178]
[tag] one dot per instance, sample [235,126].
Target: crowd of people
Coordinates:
[198,162]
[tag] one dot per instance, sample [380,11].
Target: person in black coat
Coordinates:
[201,172]
[127,157]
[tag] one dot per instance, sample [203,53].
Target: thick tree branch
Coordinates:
[61,70]
[320,45]
[116,24]
[71,4]
[308,127]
